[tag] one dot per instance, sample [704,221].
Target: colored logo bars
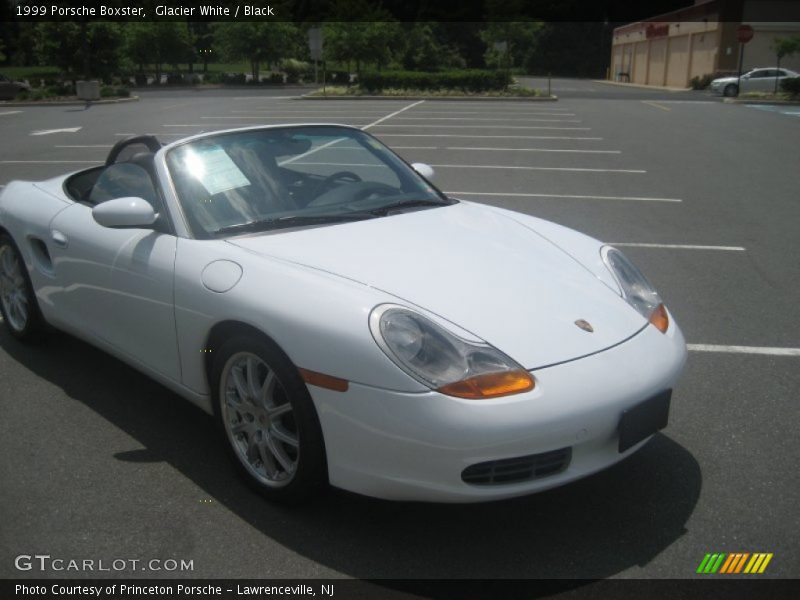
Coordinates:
[735,562]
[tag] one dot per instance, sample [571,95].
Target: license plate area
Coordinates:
[643,420]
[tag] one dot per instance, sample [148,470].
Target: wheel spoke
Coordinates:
[279,432]
[276,412]
[252,378]
[240,427]
[266,396]
[239,382]
[267,459]
[280,454]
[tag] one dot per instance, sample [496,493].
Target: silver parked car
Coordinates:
[9,89]
[757,80]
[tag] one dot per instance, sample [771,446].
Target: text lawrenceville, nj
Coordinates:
[214,11]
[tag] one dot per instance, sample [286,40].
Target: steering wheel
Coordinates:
[353,193]
[326,183]
[149,141]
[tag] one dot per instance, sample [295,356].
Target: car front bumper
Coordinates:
[404,446]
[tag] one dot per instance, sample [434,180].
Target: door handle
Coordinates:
[59,239]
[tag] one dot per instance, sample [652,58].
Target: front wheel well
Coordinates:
[225,330]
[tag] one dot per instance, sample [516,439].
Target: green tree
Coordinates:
[423,50]
[60,44]
[158,44]
[784,47]
[258,42]
[360,32]
[519,37]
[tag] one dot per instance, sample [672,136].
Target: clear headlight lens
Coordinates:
[443,361]
[636,289]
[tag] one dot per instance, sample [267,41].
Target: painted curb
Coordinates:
[639,86]
[72,102]
[762,101]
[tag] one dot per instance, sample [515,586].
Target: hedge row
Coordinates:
[473,80]
[791,85]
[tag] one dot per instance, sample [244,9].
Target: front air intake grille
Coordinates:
[520,468]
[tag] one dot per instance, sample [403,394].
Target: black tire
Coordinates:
[34,325]
[731,90]
[310,475]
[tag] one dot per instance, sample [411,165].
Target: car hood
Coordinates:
[480,268]
[726,80]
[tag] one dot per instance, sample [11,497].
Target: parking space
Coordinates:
[701,194]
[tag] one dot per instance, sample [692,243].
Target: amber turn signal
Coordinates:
[490,385]
[660,319]
[324,381]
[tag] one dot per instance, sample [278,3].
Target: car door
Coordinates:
[761,81]
[116,285]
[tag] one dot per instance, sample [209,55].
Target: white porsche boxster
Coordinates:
[344,321]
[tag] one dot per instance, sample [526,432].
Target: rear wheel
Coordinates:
[731,90]
[269,421]
[17,301]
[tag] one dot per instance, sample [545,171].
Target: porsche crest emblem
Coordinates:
[585,325]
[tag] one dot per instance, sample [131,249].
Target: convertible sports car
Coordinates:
[344,320]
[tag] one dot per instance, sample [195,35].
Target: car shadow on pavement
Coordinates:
[593,528]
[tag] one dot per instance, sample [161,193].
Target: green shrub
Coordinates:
[276,78]
[35,94]
[109,91]
[294,69]
[791,86]
[337,77]
[60,89]
[233,78]
[472,80]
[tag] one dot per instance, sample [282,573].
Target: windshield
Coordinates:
[264,179]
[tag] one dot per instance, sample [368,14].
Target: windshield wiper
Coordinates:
[293,221]
[408,203]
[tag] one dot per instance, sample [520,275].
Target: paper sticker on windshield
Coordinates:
[215,170]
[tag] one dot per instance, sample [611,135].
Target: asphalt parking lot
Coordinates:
[100,462]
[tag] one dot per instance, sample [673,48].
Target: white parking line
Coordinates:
[680,246]
[493,137]
[744,349]
[397,112]
[336,141]
[573,196]
[488,127]
[525,168]
[476,112]
[488,119]
[535,150]
[10,112]
[306,112]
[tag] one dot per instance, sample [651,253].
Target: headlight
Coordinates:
[443,361]
[636,290]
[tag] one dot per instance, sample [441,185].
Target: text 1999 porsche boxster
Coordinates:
[344,320]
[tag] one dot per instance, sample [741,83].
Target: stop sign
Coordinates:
[744,33]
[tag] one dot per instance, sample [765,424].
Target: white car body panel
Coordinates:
[453,260]
[117,284]
[435,437]
[515,281]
